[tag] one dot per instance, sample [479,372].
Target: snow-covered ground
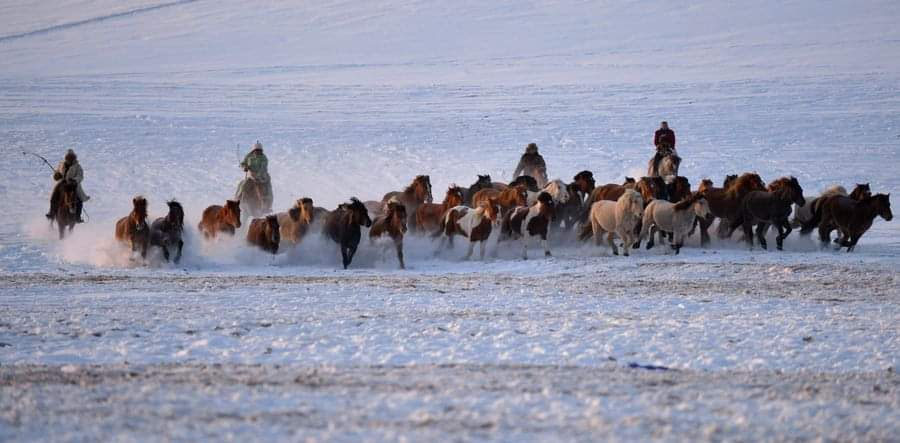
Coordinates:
[354,99]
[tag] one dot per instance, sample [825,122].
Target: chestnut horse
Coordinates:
[483,182]
[764,208]
[428,216]
[476,224]
[343,227]
[66,215]
[510,198]
[265,233]
[417,193]
[295,223]
[217,219]
[166,232]
[392,224]
[851,217]
[726,204]
[133,229]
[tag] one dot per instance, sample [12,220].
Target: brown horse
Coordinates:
[133,229]
[476,224]
[166,232]
[726,204]
[392,224]
[483,182]
[66,215]
[851,217]
[217,219]
[295,223]
[343,227]
[428,216]
[764,208]
[510,198]
[712,193]
[417,193]
[585,183]
[651,188]
[814,215]
[265,233]
[861,191]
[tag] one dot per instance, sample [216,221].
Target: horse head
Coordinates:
[454,196]
[729,179]
[232,213]
[860,191]
[705,185]
[359,215]
[176,213]
[484,181]
[306,209]
[491,209]
[796,192]
[548,206]
[423,188]
[882,205]
[701,206]
[396,214]
[585,181]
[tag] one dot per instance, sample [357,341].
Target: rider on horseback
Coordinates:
[533,165]
[68,169]
[664,140]
[256,165]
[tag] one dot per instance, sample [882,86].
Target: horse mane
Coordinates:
[742,184]
[175,207]
[140,206]
[630,200]
[782,182]
[860,190]
[834,190]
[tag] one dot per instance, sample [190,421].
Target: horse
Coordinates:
[851,217]
[725,203]
[166,232]
[569,213]
[475,224]
[651,188]
[392,224]
[295,223]
[764,208]
[529,221]
[557,190]
[584,182]
[808,216]
[253,203]
[609,191]
[483,182]
[428,216]
[133,229]
[343,227]
[507,200]
[675,218]
[712,193]
[619,217]
[217,219]
[265,233]
[66,215]
[417,193]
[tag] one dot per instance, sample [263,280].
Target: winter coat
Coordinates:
[258,165]
[665,137]
[71,172]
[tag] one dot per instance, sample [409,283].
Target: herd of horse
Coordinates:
[658,208]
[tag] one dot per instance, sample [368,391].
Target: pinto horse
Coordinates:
[475,224]
[166,232]
[295,223]
[483,182]
[510,198]
[66,215]
[851,217]
[393,225]
[428,216]
[133,229]
[217,219]
[265,233]
[569,213]
[529,221]
[343,227]
[417,193]
[764,208]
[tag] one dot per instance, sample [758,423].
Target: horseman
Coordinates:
[68,169]
[664,140]
[256,165]
[532,164]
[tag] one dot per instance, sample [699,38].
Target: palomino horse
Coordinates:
[483,182]
[218,219]
[428,216]
[726,204]
[265,233]
[66,215]
[609,191]
[295,223]
[529,221]
[851,217]
[617,218]
[509,198]
[475,224]
[343,227]
[393,225]
[133,229]
[166,232]
[764,208]
[673,218]
[417,193]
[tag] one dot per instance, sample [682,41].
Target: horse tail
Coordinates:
[815,220]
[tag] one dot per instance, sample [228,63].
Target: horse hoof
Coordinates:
[548,254]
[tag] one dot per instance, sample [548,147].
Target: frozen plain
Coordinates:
[236,345]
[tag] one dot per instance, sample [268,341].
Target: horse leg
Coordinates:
[399,246]
[704,223]
[471,249]
[165,252]
[761,230]
[626,242]
[612,244]
[545,245]
[482,248]
[62,229]
[784,229]
[178,252]
[748,233]
[595,227]
[853,239]
[824,234]
[344,258]
[525,239]
[650,241]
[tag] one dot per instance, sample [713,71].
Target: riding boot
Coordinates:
[78,206]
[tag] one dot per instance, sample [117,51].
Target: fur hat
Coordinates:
[531,148]
[70,156]
[257,146]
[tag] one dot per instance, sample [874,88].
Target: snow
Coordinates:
[354,99]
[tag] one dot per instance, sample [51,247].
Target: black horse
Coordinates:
[166,232]
[343,226]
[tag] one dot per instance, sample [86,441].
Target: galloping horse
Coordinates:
[217,219]
[66,215]
[476,224]
[295,223]
[620,217]
[727,204]
[584,182]
[852,217]
[557,190]
[265,233]
[343,227]
[392,224]
[510,198]
[808,216]
[764,208]
[428,216]
[417,193]
[569,213]
[133,229]
[673,218]
[529,221]
[166,232]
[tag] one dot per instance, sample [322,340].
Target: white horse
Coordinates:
[619,217]
[804,214]
[674,218]
[529,221]
[557,190]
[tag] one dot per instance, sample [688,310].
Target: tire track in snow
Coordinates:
[92,20]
